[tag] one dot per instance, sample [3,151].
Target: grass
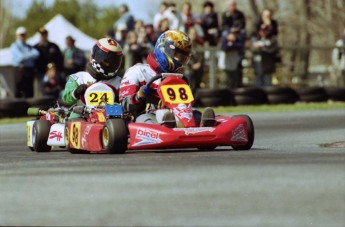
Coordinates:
[236,109]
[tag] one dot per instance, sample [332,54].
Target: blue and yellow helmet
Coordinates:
[172,50]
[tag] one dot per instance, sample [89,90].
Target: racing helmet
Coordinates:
[106,58]
[172,50]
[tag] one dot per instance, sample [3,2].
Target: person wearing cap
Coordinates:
[74,58]
[49,53]
[23,61]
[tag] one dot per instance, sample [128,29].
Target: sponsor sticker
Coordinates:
[147,136]
[238,134]
[183,111]
[190,131]
[75,134]
[86,133]
[55,134]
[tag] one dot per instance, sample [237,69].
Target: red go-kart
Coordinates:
[100,127]
[176,95]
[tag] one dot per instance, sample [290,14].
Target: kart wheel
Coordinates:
[250,131]
[68,148]
[40,136]
[115,136]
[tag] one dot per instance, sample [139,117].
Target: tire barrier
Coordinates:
[214,97]
[249,96]
[13,107]
[312,94]
[280,95]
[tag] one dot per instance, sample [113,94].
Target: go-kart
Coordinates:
[47,129]
[176,95]
[100,127]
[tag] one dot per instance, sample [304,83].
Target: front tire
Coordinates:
[41,129]
[250,134]
[115,136]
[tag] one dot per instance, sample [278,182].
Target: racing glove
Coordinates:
[80,90]
[144,92]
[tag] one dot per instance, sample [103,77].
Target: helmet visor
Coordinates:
[181,56]
[111,63]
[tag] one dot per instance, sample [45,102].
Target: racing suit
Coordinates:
[135,77]
[84,78]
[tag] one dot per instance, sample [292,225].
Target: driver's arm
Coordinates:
[68,94]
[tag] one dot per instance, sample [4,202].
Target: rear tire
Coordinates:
[250,131]
[115,136]
[41,129]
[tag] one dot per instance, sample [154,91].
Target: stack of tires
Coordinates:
[312,94]
[280,95]
[249,96]
[214,97]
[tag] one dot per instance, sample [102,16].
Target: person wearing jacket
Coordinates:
[23,61]
[105,60]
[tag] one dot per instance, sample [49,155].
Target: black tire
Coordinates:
[13,108]
[311,91]
[40,136]
[115,136]
[314,98]
[217,101]
[282,99]
[248,100]
[43,103]
[251,133]
[335,93]
[205,92]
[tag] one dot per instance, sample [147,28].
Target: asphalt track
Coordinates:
[286,179]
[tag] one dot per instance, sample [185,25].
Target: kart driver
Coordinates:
[105,60]
[171,53]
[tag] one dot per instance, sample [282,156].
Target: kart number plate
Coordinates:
[180,93]
[98,98]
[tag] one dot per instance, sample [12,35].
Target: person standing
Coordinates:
[125,18]
[338,59]
[209,23]
[74,58]
[265,48]
[49,53]
[232,17]
[23,61]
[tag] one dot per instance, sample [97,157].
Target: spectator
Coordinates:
[49,53]
[23,61]
[138,25]
[150,35]
[74,58]
[52,83]
[125,18]
[121,34]
[175,18]
[338,59]
[188,17]
[209,23]
[233,44]
[265,49]
[267,20]
[136,51]
[194,70]
[160,15]
[163,26]
[232,18]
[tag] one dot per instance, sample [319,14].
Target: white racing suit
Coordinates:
[135,77]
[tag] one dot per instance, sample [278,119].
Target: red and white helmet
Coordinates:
[106,58]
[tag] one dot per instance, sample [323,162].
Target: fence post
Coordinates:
[213,69]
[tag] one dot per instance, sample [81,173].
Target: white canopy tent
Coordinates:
[59,28]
